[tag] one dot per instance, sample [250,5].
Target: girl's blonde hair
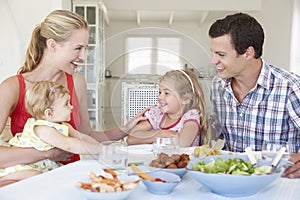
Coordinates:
[187,85]
[41,97]
[58,25]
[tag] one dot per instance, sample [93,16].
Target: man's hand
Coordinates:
[293,171]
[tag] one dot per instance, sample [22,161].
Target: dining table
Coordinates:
[60,183]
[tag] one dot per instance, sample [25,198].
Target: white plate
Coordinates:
[140,149]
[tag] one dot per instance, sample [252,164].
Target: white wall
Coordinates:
[10,42]
[275,17]
[295,56]
[19,19]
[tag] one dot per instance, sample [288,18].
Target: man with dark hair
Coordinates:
[253,100]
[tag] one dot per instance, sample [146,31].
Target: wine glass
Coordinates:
[166,144]
[114,155]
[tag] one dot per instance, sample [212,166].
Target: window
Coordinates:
[152,55]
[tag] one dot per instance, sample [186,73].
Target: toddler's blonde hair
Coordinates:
[41,97]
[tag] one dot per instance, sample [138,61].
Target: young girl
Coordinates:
[181,111]
[49,105]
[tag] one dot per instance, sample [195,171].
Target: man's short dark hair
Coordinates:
[244,31]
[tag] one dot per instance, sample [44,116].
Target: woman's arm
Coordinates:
[11,156]
[76,134]
[85,127]
[70,144]
[9,96]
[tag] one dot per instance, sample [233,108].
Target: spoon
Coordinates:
[277,158]
[251,156]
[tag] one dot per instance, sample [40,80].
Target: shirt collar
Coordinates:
[263,78]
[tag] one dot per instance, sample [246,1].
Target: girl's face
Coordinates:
[61,109]
[72,51]
[169,99]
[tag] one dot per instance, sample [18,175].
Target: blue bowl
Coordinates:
[162,188]
[178,171]
[232,185]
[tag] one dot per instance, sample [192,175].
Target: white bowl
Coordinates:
[231,185]
[108,195]
[162,188]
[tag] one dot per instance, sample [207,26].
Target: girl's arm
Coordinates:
[70,144]
[142,133]
[188,133]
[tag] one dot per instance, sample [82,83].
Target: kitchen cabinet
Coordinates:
[93,67]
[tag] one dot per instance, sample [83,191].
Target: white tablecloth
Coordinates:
[59,184]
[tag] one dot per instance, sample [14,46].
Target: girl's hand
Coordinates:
[293,171]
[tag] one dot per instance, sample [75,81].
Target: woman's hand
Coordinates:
[57,154]
[293,171]
[137,118]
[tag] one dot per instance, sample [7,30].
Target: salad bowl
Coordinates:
[238,183]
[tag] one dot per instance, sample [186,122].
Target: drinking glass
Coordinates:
[167,144]
[271,148]
[114,155]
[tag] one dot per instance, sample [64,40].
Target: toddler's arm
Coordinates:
[70,144]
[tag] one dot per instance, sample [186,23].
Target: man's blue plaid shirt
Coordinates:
[270,111]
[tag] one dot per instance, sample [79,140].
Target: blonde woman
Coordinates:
[56,47]
[181,111]
[49,105]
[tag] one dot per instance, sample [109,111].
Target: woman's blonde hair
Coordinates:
[58,25]
[187,85]
[41,96]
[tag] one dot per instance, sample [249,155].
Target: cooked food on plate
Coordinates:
[206,150]
[107,183]
[174,161]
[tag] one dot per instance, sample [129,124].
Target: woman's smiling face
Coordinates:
[72,51]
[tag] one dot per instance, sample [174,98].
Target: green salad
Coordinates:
[230,166]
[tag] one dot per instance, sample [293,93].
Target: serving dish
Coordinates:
[232,185]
